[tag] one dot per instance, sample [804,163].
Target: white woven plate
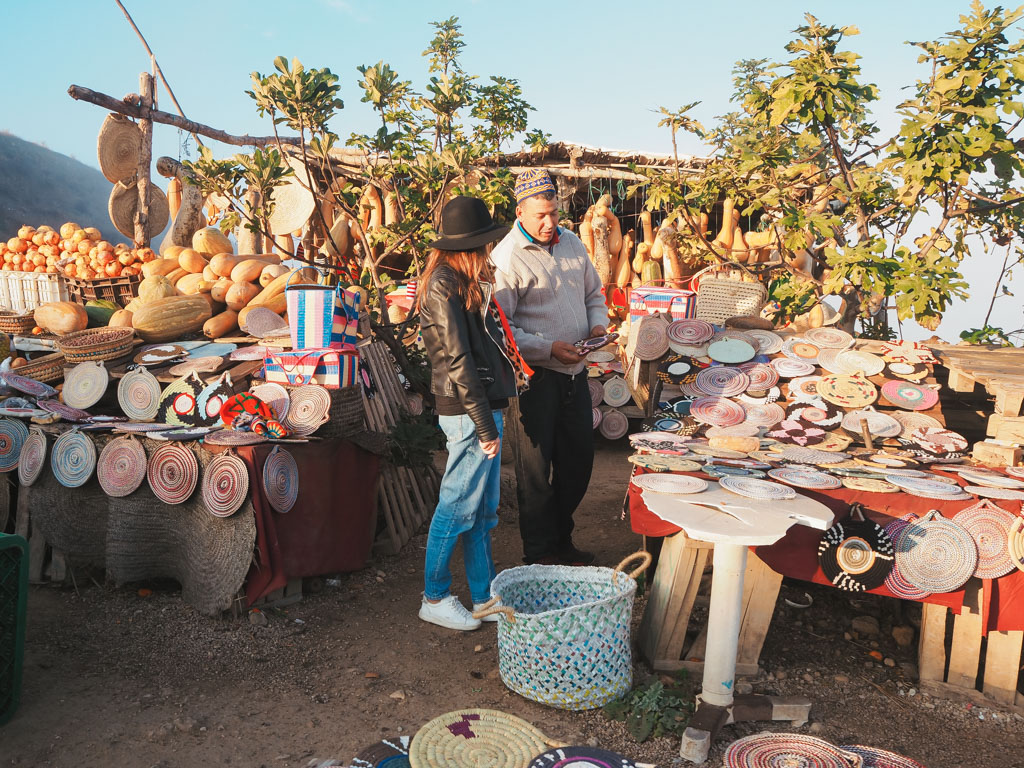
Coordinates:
[753,488]
[659,483]
[994,493]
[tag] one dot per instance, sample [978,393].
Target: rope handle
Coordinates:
[854,760]
[858,510]
[641,555]
[491,607]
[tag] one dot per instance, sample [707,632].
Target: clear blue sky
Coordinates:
[594,71]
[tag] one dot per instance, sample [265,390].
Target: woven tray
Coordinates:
[720,297]
[45,369]
[15,324]
[474,737]
[96,344]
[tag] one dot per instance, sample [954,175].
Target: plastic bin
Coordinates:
[119,290]
[13,605]
[24,291]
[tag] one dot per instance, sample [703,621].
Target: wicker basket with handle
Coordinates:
[723,293]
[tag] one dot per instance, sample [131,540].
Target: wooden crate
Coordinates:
[667,639]
[956,662]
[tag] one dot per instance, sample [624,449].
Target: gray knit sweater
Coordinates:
[547,295]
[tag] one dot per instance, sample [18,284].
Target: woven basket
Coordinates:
[469,738]
[15,324]
[563,633]
[720,296]
[45,369]
[97,344]
[347,417]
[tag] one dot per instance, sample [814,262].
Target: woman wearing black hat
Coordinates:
[475,369]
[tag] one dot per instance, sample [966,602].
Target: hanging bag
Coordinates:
[320,316]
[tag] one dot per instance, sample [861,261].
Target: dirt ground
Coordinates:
[115,679]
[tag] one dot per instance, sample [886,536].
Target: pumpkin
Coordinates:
[160,266]
[61,317]
[121,319]
[191,261]
[193,283]
[211,240]
[220,325]
[153,288]
[171,318]
[247,271]
[270,272]
[240,294]
[209,274]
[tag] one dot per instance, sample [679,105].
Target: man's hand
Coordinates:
[491,447]
[565,353]
[598,330]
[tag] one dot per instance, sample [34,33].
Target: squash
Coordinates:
[645,221]
[134,305]
[174,196]
[61,317]
[176,275]
[192,261]
[247,271]
[209,274]
[160,266]
[650,274]
[221,325]
[171,318]
[587,232]
[121,319]
[276,286]
[220,289]
[624,272]
[270,272]
[223,263]
[172,252]
[193,283]
[278,304]
[211,240]
[100,312]
[240,294]
[153,288]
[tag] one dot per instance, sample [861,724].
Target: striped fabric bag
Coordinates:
[320,316]
[345,325]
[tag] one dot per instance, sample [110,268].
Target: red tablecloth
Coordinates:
[796,554]
[330,528]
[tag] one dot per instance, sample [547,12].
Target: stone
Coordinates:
[257,618]
[889,661]
[185,725]
[841,678]
[494,674]
[808,678]
[865,625]
[903,635]
[397,695]
[780,675]
[909,669]
[816,728]
[478,649]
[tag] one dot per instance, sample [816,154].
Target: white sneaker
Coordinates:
[480,606]
[448,613]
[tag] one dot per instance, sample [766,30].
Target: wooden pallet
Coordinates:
[667,639]
[953,657]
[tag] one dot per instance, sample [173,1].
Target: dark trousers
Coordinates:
[553,448]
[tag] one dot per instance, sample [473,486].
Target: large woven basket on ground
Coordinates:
[563,632]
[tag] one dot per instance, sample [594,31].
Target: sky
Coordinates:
[596,72]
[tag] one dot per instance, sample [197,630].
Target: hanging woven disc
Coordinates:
[873,757]
[779,750]
[124,201]
[614,424]
[579,757]
[989,525]
[33,457]
[473,737]
[281,479]
[13,435]
[234,437]
[279,401]
[66,412]
[179,401]
[85,384]
[1015,545]
[309,409]
[225,485]
[856,554]
[212,398]
[936,554]
[73,459]
[122,466]
[118,147]
[895,582]
[650,338]
[172,473]
[392,753]
[138,393]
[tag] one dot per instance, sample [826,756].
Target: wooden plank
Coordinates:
[673,589]
[36,555]
[696,668]
[1008,428]
[965,653]
[1009,401]
[994,455]
[959,381]
[22,514]
[931,646]
[57,570]
[760,592]
[1002,665]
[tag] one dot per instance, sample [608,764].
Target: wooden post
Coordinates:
[147,88]
[249,241]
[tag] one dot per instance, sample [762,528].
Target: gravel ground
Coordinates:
[115,678]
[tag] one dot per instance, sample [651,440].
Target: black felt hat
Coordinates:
[467,224]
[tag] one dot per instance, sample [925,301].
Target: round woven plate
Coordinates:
[828,360]
[881,758]
[668,424]
[847,391]
[138,393]
[936,554]
[596,392]
[828,338]
[855,361]
[879,424]
[660,442]
[470,738]
[816,412]
[596,414]
[722,381]
[650,338]
[225,485]
[804,388]
[12,439]
[915,373]
[991,479]
[805,478]
[788,368]
[209,349]
[233,437]
[801,349]
[768,343]
[752,488]
[281,479]
[717,411]
[614,424]
[1017,472]
[690,331]
[989,525]
[33,457]
[28,386]
[390,753]
[663,463]
[797,433]
[134,426]
[122,466]
[696,351]
[736,430]
[766,415]
[925,484]
[85,384]
[580,757]
[616,391]
[803,455]
[261,321]
[937,440]
[172,473]
[895,582]
[762,376]
[911,420]
[905,394]
[834,443]
[731,350]
[309,408]
[73,459]
[600,356]
[66,412]
[869,484]
[783,750]
[1015,542]
[669,483]
[994,493]
[160,354]
[856,555]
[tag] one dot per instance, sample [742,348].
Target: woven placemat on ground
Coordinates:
[470,738]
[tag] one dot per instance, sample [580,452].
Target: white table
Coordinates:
[733,523]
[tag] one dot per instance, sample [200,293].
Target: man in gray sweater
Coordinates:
[552,297]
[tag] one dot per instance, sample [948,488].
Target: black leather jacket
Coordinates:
[467,360]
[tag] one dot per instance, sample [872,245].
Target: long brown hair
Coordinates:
[471,267]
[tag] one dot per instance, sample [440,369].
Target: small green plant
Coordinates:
[988,335]
[652,710]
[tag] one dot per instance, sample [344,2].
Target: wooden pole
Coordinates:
[147,88]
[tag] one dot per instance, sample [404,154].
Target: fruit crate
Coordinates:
[13,604]
[119,290]
[22,292]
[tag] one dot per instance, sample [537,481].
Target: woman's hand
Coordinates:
[491,447]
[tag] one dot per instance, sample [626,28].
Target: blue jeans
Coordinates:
[467,509]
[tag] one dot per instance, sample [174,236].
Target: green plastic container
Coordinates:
[13,605]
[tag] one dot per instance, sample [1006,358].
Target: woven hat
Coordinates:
[122,466]
[989,525]
[614,424]
[225,485]
[768,750]
[281,479]
[649,338]
[124,202]
[85,384]
[393,753]
[73,459]
[470,738]
[580,757]
[118,147]
[138,393]
[534,181]
[292,202]
[33,457]
[936,554]
[856,554]
[12,438]
[873,757]
[172,473]
[309,409]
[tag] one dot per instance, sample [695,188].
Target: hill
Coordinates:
[40,186]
